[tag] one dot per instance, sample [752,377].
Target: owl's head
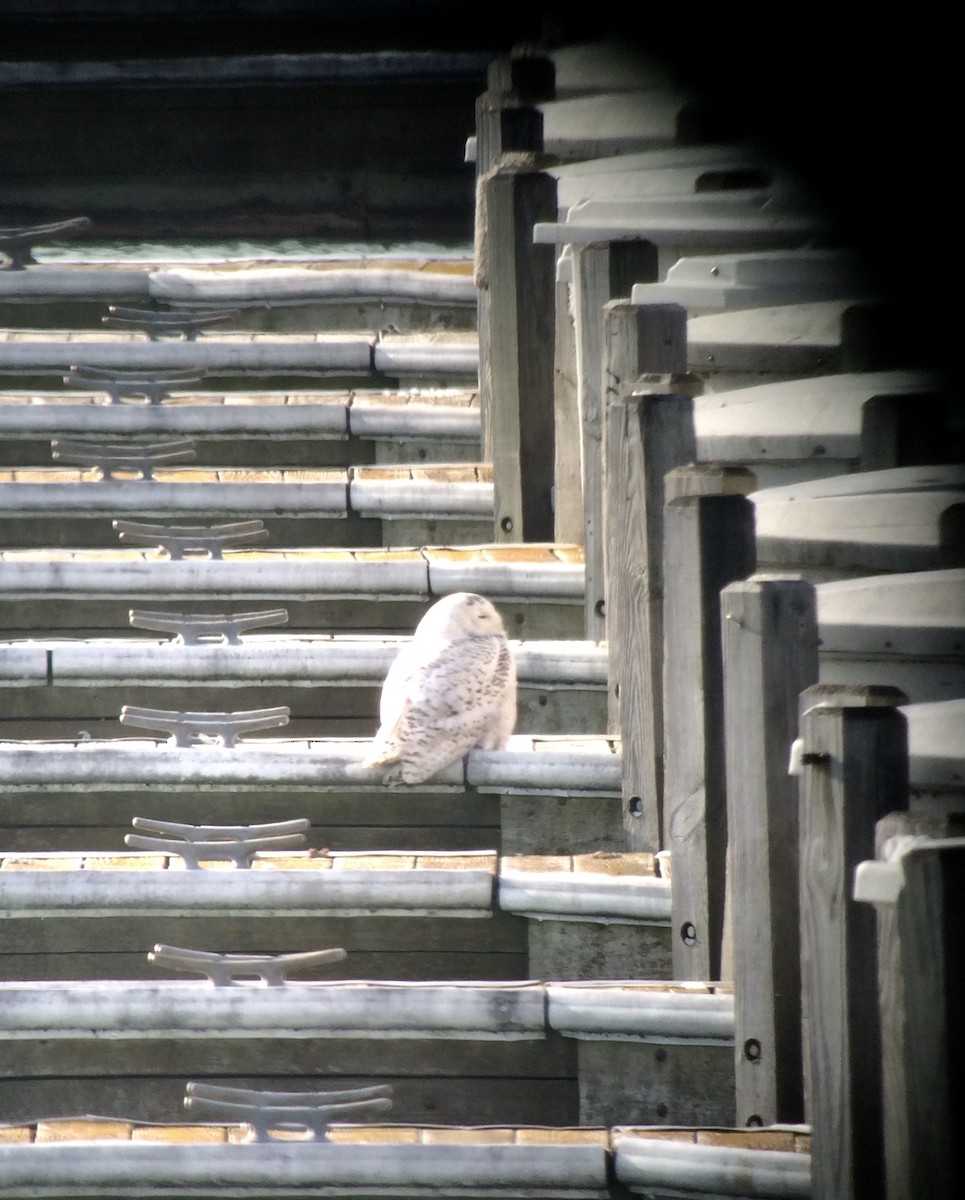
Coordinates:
[461,614]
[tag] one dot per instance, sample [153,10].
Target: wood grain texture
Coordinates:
[708,543]
[502,124]
[590,950]
[770,655]
[601,272]
[855,771]
[520,358]
[646,1084]
[921,988]
[568,467]
[647,435]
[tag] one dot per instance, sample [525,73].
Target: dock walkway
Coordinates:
[667,427]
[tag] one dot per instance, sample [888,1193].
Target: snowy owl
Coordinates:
[453,687]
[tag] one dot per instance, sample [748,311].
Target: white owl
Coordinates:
[450,689]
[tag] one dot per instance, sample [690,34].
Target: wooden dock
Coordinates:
[692,932]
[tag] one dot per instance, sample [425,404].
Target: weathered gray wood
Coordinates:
[640,1083]
[583,127]
[708,543]
[896,520]
[580,950]
[647,434]
[560,825]
[703,283]
[601,273]
[770,655]
[728,1164]
[907,630]
[505,122]
[568,448]
[855,760]
[520,352]
[918,896]
[789,341]
[635,343]
[800,429]
[476,1162]
[463,1098]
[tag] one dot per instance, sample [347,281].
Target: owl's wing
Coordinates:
[421,686]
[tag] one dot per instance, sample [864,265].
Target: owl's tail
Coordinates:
[381,753]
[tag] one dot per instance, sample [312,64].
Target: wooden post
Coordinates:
[603,272]
[519,359]
[568,469]
[506,121]
[648,433]
[708,543]
[770,655]
[921,990]
[855,770]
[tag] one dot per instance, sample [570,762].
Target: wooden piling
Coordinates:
[648,433]
[568,466]
[708,543]
[921,985]
[603,272]
[637,341]
[520,318]
[855,771]
[507,123]
[770,655]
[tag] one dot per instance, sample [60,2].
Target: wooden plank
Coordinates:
[500,936]
[559,825]
[708,543]
[520,354]
[770,655]
[601,273]
[568,449]
[421,1099]
[503,125]
[648,433]
[855,771]
[384,965]
[646,1084]
[586,950]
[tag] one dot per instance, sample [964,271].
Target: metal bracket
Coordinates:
[178,540]
[204,728]
[17,244]
[155,323]
[266,1113]
[227,970]
[195,629]
[152,385]
[110,457]
[217,843]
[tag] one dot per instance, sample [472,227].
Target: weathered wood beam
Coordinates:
[855,771]
[770,655]
[708,543]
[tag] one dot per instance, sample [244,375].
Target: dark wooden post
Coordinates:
[603,272]
[770,656]
[708,543]
[506,121]
[519,367]
[919,899]
[855,771]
